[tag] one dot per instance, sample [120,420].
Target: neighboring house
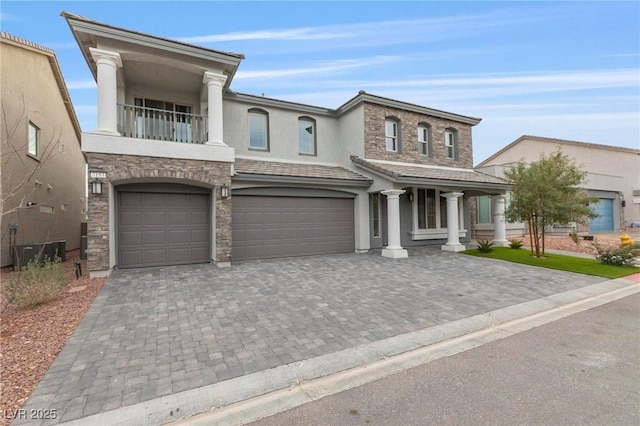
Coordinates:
[43,193]
[191,171]
[613,176]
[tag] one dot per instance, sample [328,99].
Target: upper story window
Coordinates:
[34,140]
[451,143]
[258,129]
[392,134]
[306,136]
[424,139]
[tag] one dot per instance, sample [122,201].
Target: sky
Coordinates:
[566,70]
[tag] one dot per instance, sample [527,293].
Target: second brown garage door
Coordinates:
[157,229]
[270,227]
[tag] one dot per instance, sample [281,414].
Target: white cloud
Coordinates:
[387,32]
[81,84]
[325,68]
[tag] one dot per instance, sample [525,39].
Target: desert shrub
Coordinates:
[619,256]
[515,244]
[485,246]
[575,237]
[37,283]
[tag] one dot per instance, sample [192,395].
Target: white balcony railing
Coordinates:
[157,124]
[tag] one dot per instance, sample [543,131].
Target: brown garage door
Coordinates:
[156,229]
[268,227]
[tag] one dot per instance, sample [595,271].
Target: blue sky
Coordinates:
[568,70]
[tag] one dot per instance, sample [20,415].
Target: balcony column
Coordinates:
[107,66]
[215,83]
[393,249]
[453,227]
[499,222]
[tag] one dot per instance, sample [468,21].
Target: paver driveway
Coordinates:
[154,332]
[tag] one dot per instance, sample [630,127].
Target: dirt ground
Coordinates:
[30,339]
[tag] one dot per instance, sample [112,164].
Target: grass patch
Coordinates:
[557,261]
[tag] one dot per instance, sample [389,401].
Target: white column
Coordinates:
[107,66]
[215,83]
[499,222]
[453,227]
[393,249]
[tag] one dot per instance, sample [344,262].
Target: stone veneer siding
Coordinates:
[121,169]
[374,136]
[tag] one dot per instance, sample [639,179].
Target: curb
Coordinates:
[258,395]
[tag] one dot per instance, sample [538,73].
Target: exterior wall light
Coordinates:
[410,196]
[224,191]
[96,187]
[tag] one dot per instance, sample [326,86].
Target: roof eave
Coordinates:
[239,176]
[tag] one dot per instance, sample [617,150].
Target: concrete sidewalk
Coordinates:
[166,343]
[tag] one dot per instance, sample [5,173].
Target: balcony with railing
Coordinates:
[159,124]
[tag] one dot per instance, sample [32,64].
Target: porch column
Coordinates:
[215,83]
[499,222]
[393,249]
[453,227]
[107,64]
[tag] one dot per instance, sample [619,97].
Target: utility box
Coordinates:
[23,254]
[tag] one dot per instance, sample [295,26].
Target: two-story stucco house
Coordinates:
[613,176]
[189,171]
[42,193]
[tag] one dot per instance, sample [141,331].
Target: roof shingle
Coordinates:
[274,168]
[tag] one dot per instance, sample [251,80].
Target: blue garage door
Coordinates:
[604,222]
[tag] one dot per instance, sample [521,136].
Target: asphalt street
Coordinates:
[582,369]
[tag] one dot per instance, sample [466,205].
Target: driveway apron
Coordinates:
[158,331]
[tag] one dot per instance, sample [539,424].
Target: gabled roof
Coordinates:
[57,73]
[251,169]
[82,28]
[557,142]
[426,174]
[363,96]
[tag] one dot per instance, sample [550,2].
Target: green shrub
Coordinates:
[485,246]
[515,244]
[620,256]
[575,237]
[37,284]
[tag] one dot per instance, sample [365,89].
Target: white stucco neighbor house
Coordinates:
[613,176]
[182,169]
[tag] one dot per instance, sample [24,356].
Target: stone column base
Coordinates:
[395,253]
[453,247]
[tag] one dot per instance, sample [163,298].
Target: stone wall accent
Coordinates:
[374,136]
[121,169]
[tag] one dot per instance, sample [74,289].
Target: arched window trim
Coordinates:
[425,139]
[392,140]
[254,130]
[314,142]
[451,143]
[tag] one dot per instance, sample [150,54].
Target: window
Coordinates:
[427,204]
[391,134]
[375,216]
[163,120]
[306,136]
[34,140]
[258,129]
[484,209]
[451,143]
[424,139]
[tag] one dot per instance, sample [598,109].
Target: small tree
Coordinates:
[546,193]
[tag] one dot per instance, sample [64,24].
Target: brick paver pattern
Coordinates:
[154,332]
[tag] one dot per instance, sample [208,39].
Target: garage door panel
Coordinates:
[128,238]
[154,237]
[268,227]
[157,229]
